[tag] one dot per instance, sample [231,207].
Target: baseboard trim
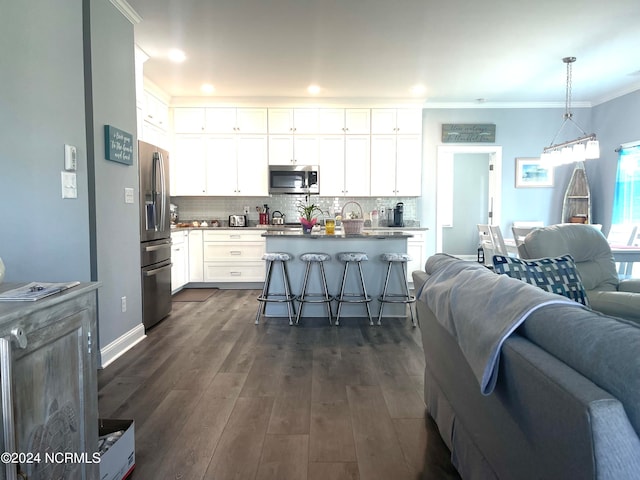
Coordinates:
[121,344]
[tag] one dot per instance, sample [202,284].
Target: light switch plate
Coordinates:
[70,158]
[69,185]
[128,195]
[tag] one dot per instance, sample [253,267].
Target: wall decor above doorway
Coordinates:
[468,133]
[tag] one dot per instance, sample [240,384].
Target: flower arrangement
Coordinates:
[307,213]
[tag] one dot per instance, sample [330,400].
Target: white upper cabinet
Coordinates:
[188,120]
[236,120]
[219,120]
[396,165]
[293,150]
[388,121]
[301,121]
[344,165]
[353,121]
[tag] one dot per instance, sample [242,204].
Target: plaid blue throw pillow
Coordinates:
[556,275]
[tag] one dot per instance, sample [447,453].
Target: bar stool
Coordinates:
[286,297]
[317,258]
[358,258]
[405,297]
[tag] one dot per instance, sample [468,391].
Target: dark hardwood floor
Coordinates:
[216,397]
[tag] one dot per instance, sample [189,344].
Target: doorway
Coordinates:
[469,182]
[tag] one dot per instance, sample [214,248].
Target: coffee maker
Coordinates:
[398,215]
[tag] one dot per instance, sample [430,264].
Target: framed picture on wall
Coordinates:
[531,172]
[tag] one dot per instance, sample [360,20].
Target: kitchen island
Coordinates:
[374,244]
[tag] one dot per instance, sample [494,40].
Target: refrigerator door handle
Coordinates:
[155,271]
[163,194]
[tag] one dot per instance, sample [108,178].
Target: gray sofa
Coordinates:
[566,404]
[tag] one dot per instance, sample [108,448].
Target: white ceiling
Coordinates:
[461,50]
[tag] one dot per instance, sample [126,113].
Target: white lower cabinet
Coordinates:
[233,255]
[416,247]
[196,270]
[179,260]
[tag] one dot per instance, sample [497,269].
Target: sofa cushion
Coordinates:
[556,275]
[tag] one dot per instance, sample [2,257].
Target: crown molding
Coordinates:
[127,10]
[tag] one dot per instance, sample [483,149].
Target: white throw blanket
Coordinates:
[480,309]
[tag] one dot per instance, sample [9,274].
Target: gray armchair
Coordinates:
[594,261]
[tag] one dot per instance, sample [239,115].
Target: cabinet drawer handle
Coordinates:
[235,236]
[235,274]
[235,252]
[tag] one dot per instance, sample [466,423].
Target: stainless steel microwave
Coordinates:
[294,179]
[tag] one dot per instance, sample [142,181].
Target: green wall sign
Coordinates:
[468,133]
[118,145]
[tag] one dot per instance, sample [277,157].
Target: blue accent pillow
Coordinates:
[556,275]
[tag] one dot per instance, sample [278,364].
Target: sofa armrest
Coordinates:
[616,304]
[629,285]
[419,277]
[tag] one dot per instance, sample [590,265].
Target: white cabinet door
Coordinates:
[251,120]
[409,165]
[357,121]
[331,121]
[196,256]
[280,120]
[188,165]
[156,111]
[357,165]
[252,165]
[396,165]
[383,121]
[188,120]
[222,174]
[305,149]
[178,260]
[236,120]
[281,149]
[402,120]
[409,121]
[220,120]
[383,165]
[305,121]
[416,247]
[331,162]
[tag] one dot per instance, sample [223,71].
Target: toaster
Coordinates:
[237,220]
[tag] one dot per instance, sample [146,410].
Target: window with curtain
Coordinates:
[626,200]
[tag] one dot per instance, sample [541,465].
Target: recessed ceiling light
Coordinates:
[313,89]
[418,89]
[176,55]
[207,88]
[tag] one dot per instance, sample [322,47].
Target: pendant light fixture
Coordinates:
[582,148]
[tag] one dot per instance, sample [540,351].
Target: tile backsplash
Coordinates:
[219,208]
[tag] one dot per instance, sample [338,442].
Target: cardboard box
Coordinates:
[118,462]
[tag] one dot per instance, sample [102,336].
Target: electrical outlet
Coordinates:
[123,304]
[246,210]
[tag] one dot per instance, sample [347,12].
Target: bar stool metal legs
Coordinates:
[349,257]
[404,297]
[286,297]
[304,297]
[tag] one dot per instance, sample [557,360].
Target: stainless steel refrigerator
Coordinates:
[155,233]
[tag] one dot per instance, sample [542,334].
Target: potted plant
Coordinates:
[308,212]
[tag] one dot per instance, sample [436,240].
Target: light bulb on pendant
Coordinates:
[578,152]
[592,150]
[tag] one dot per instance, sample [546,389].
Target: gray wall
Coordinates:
[42,236]
[615,122]
[42,107]
[522,132]
[117,233]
